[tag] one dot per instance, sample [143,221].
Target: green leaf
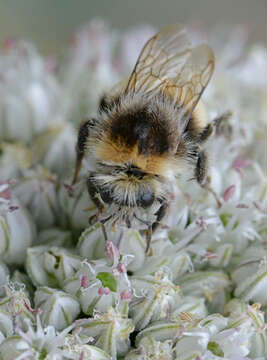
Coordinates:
[107,280]
[225,218]
[215,349]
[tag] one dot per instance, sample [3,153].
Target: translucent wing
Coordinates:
[169,64]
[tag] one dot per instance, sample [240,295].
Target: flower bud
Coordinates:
[58,308]
[51,266]
[29,93]
[13,218]
[253,285]
[204,283]
[132,243]
[55,148]
[86,352]
[55,237]
[37,192]
[4,275]
[76,207]
[91,243]
[151,349]
[154,298]
[6,325]
[111,331]
[15,158]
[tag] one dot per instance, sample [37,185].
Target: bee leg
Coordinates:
[206,133]
[159,216]
[104,232]
[104,104]
[80,146]
[148,238]
[202,175]
[221,124]
[94,194]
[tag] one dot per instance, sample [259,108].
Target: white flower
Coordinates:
[98,285]
[35,342]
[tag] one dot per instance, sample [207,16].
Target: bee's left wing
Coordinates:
[169,64]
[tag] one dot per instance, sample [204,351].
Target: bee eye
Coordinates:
[106,195]
[145,199]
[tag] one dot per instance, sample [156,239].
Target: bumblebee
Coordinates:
[150,128]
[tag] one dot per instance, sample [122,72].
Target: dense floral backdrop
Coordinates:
[65,293]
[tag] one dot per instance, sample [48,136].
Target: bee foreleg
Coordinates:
[221,124]
[202,175]
[206,133]
[94,194]
[160,214]
[104,232]
[80,147]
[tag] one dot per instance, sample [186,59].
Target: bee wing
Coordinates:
[169,64]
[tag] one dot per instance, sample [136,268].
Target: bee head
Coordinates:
[126,186]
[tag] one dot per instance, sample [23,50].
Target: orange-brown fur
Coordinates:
[118,153]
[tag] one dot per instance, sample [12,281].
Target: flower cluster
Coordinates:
[66,292]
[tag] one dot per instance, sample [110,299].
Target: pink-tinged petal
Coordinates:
[9,43]
[211,255]
[103,291]
[51,64]
[125,295]
[112,251]
[69,189]
[106,291]
[121,268]
[202,223]
[5,193]
[240,164]
[84,282]
[229,192]
[37,311]
[258,206]
[13,208]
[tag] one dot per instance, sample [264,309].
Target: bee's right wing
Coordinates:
[169,64]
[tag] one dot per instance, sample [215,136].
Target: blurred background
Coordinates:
[50,23]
